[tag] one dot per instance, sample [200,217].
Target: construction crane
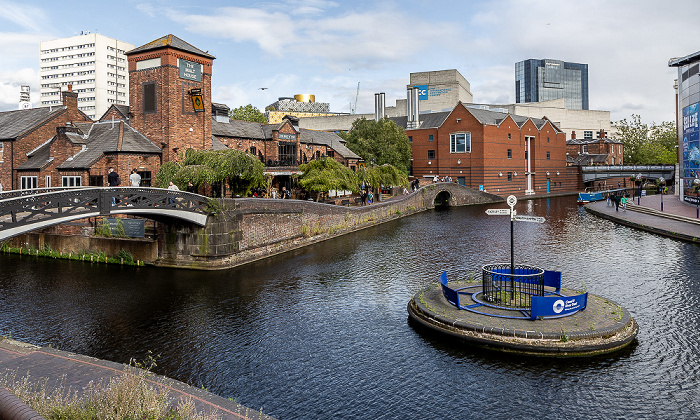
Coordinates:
[353,108]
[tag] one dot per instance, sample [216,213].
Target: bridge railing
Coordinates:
[25,212]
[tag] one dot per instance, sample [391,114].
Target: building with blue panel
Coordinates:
[688,117]
[544,80]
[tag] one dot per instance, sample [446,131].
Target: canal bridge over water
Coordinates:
[23,211]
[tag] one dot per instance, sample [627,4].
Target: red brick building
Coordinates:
[165,76]
[599,151]
[497,152]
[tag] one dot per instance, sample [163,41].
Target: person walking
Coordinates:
[623,201]
[135,178]
[172,187]
[113,180]
[616,199]
[191,188]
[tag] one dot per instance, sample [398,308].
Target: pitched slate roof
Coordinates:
[171,41]
[484,116]
[15,123]
[331,140]
[38,159]
[123,110]
[240,129]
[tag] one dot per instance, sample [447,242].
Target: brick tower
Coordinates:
[165,78]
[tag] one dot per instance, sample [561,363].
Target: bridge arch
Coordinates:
[449,194]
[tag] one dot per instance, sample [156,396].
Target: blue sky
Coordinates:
[326,47]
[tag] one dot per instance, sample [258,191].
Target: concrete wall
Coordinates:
[254,228]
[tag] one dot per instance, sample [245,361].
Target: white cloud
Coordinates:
[24,15]
[10,82]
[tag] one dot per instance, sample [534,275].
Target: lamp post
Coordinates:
[661,186]
[639,197]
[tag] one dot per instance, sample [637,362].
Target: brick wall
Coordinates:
[254,228]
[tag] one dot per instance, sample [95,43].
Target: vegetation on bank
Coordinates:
[123,257]
[130,395]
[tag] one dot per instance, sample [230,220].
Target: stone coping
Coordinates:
[603,327]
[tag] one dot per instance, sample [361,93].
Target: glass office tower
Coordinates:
[544,80]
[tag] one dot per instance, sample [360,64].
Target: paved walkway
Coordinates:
[76,371]
[678,220]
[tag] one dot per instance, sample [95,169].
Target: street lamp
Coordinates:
[661,185]
[639,197]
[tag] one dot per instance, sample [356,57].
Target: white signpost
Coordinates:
[512,200]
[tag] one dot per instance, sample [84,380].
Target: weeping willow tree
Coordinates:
[382,175]
[239,170]
[327,174]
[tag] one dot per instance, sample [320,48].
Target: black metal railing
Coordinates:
[511,290]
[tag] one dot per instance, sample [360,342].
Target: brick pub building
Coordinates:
[171,111]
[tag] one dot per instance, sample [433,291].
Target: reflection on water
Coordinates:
[322,332]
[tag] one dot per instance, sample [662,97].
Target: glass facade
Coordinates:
[689,123]
[544,80]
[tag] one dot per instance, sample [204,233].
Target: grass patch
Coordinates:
[123,257]
[130,395]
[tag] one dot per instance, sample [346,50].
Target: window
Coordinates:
[253,150]
[145,178]
[410,139]
[510,176]
[71,181]
[460,143]
[547,139]
[619,148]
[29,182]
[587,134]
[331,153]
[149,97]
[510,154]
[508,136]
[584,148]
[47,181]
[430,137]
[431,154]
[526,155]
[547,155]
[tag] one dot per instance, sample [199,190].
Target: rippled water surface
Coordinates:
[323,332]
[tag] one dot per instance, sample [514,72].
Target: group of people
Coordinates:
[617,200]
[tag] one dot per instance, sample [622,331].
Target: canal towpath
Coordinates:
[677,220]
[75,372]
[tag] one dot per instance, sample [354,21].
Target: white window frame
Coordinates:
[47,181]
[29,182]
[587,134]
[467,142]
[67,180]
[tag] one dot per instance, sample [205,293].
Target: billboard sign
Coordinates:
[556,306]
[190,70]
[422,92]
[691,141]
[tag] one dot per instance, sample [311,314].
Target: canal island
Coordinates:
[523,309]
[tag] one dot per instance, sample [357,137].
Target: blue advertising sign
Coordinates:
[422,92]
[557,305]
[691,141]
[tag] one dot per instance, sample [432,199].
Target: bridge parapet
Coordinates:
[596,172]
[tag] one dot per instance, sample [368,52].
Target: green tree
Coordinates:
[647,144]
[239,170]
[247,113]
[378,176]
[380,142]
[326,174]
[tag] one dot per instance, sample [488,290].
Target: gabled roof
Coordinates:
[171,41]
[122,110]
[15,123]
[103,138]
[331,140]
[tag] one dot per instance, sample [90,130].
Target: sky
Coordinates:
[270,49]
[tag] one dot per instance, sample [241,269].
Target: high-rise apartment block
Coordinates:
[94,64]
[544,80]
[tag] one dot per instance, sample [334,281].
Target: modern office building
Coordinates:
[688,120]
[544,80]
[94,64]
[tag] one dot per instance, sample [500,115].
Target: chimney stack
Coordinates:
[379,106]
[573,135]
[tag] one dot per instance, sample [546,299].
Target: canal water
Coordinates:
[322,332]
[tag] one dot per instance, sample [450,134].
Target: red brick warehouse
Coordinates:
[498,152]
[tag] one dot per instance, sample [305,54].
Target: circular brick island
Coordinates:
[601,327]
